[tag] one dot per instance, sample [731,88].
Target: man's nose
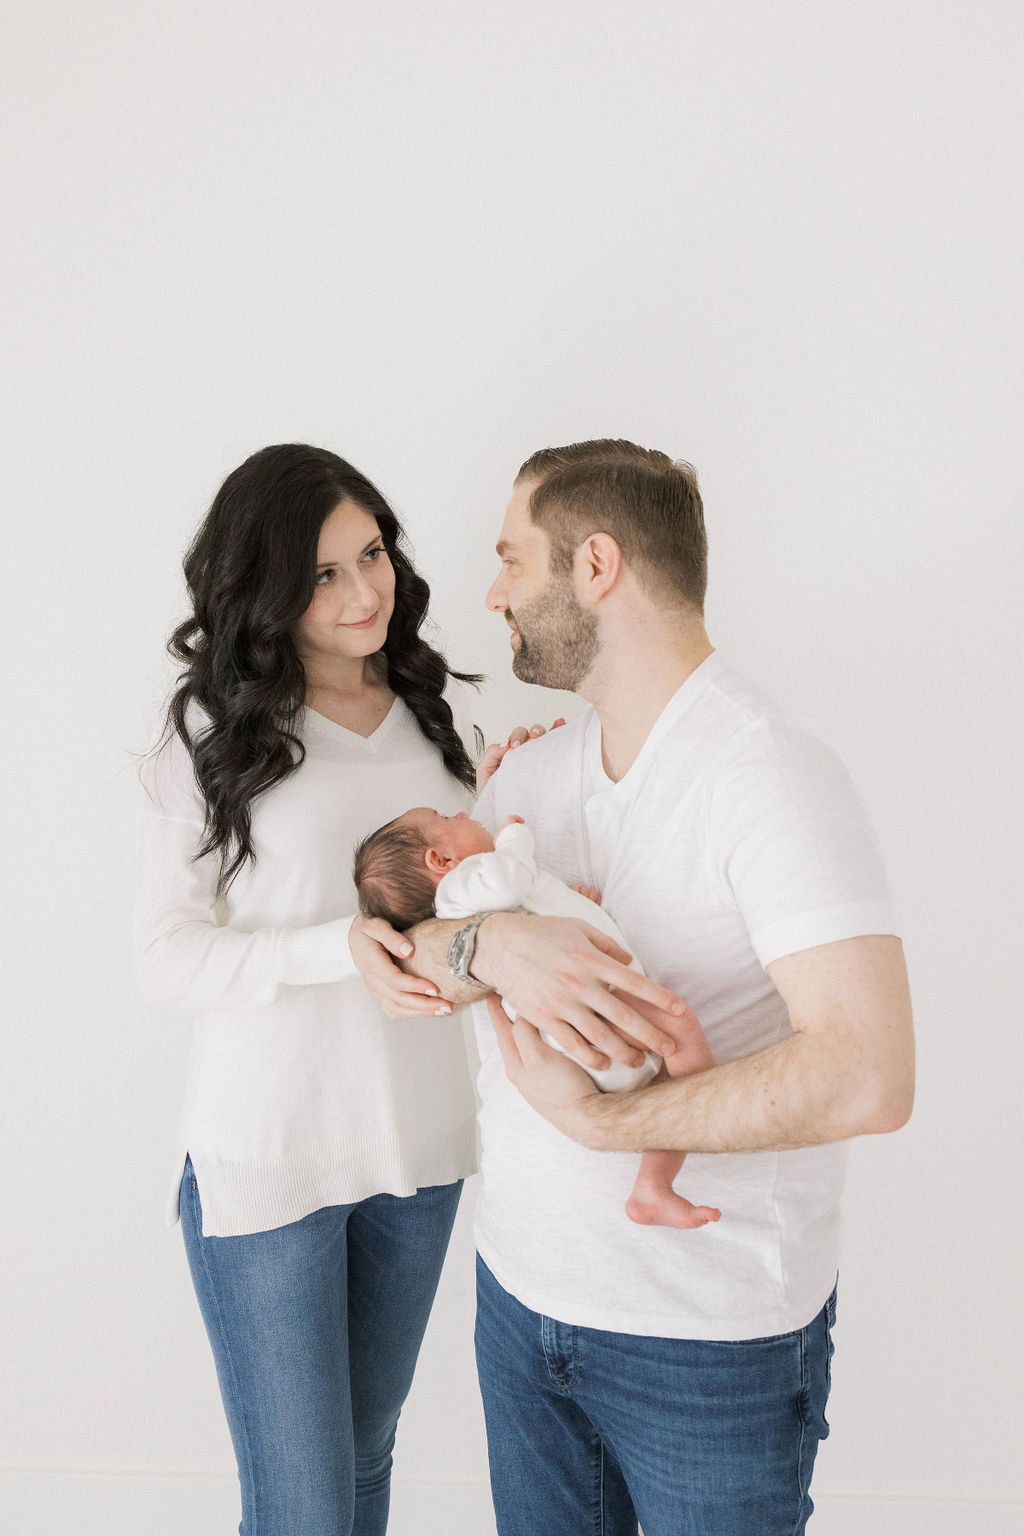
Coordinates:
[496,596]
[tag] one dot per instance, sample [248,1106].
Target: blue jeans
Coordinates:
[589,1431]
[315,1328]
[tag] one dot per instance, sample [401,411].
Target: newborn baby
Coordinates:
[424,864]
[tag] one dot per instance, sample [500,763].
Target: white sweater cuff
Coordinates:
[320,953]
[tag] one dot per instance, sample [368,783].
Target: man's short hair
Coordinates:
[391,877]
[649,503]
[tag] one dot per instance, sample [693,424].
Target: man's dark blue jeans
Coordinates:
[590,1432]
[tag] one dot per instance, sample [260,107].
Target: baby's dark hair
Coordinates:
[391,876]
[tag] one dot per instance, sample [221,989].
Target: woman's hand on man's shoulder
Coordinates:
[494,755]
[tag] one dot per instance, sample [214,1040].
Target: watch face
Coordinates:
[459,950]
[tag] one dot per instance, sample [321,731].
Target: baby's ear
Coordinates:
[437,862]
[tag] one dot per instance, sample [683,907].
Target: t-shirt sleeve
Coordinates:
[792,844]
[185,954]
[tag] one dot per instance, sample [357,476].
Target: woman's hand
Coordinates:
[492,758]
[373,942]
[566,978]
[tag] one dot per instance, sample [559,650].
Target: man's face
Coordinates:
[554,641]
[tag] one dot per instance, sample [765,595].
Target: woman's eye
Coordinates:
[323,577]
[372,554]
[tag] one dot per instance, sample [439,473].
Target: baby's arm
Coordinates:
[491,882]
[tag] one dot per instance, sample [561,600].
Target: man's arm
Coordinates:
[556,970]
[847,1070]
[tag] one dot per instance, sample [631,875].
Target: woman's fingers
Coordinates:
[388,938]
[489,764]
[401,996]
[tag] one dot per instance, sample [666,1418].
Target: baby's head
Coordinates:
[398,867]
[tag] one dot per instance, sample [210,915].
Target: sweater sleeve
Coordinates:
[185,955]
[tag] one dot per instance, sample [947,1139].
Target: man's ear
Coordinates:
[437,862]
[598,564]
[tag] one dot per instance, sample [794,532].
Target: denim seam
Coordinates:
[801,1523]
[600,1484]
[243,1426]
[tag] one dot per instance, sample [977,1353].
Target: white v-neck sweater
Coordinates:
[301,1092]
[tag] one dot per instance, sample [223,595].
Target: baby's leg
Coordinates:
[654,1202]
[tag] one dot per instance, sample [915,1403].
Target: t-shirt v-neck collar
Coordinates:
[596,780]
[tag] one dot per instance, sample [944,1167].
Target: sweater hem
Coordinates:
[239,1198]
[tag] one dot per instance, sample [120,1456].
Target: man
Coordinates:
[676,1377]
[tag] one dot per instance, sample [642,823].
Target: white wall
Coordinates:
[776,239]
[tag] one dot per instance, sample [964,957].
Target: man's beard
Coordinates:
[558,640]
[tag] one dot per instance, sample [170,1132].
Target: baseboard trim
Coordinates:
[52,1501]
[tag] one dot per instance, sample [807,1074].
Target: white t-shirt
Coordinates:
[302,1093]
[735,838]
[508,878]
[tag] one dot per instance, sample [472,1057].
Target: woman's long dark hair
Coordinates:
[251,572]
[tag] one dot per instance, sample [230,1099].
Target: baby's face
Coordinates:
[454,836]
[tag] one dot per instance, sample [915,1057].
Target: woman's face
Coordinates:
[355,589]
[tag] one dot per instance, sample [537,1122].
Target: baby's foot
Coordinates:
[664,1208]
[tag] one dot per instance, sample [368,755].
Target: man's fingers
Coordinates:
[503,1032]
[580,1048]
[520,1043]
[651,1027]
[634,983]
[608,946]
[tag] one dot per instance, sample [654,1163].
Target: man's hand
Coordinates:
[559,973]
[550,1083]
[373,942]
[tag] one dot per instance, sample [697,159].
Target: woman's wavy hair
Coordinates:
[251,572]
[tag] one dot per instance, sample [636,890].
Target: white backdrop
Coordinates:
[778,240]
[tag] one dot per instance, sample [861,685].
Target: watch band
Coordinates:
[460,951]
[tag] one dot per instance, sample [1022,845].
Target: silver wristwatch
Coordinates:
[460,951]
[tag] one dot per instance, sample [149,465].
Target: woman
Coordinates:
[322,1145]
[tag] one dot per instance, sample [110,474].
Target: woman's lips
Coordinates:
[364,623]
